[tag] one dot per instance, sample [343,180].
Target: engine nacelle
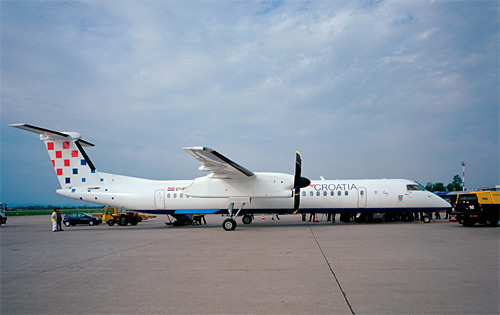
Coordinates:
[260,185]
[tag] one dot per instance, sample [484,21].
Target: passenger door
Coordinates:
[361,197]
[160,199]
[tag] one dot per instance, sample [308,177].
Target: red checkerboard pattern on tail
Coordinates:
[70,166]
[69,160]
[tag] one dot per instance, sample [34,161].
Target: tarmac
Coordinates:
[267,267]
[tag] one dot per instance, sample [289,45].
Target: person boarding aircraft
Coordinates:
[229,188]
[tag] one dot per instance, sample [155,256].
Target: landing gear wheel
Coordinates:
[426,219]
[246,219]
[229,224]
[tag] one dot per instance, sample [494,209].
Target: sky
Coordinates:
[363,89]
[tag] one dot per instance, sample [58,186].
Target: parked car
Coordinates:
[3,216]
[80,218]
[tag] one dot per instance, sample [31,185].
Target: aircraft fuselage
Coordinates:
[322,196]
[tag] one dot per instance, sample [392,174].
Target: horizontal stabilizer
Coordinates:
[71,163]
[53,134]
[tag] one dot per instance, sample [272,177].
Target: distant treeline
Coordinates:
[48,211]
[51,207]
[455,185]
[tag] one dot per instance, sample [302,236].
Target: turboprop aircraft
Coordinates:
[229,188]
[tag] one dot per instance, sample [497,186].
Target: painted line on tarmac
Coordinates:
[333,272]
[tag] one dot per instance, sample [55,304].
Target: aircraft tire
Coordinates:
[246,219]
[229,225]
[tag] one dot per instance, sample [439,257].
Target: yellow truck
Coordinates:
[481,207]
[112,215]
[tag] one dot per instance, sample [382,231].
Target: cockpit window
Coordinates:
[415,187]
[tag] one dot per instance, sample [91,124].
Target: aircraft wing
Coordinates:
[219,165]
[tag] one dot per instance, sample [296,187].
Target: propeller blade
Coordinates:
[298,168]
[296,202]
[299,182]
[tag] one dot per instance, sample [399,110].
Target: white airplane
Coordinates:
[228,189]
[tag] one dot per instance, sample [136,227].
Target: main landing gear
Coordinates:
[230,224]
[247,219]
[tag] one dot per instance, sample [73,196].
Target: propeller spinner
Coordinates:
[299,182]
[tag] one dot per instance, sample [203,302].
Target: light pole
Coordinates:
[463,176]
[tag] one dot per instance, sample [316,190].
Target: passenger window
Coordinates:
[325,193]
[339,193]
[317,193]
[332,193]
[311,193]
[304,193]
[175,195]
[180,195]
[346,193]
[168,195]
[362,193]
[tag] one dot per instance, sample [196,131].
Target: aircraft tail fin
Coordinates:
[71,163]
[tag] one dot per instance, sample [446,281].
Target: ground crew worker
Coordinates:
[197,219]
[59,220]
[438,215]
[53,218]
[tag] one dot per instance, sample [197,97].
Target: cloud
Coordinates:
[363,89]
